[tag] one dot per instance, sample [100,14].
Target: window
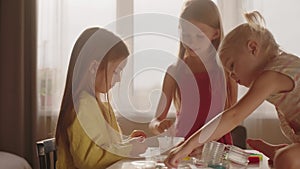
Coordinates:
[153,52]
[59,25]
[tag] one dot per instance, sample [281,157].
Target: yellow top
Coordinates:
[94,142]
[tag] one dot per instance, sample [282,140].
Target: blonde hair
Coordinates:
[205,11]
[253,29]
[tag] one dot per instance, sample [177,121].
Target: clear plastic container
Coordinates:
[165,143]
[213,153]
[151,153]
[220,156]
[237,157]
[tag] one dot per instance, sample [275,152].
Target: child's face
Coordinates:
[197,36]
[114,71]
[242,66]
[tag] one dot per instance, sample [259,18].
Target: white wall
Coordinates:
[282,19]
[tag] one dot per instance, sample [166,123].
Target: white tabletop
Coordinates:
[128,163]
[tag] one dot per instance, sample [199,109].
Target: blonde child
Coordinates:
[253,58]
[88,135]
[204,16]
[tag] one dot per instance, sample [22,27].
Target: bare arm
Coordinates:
[164,105]
[266,84]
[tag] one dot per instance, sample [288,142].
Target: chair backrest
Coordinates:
[47,153]
[239,136]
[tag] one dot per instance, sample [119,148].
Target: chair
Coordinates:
[47,153]
[239,136]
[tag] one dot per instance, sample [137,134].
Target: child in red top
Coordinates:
[189,82]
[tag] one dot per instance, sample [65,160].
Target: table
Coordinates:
[127,163]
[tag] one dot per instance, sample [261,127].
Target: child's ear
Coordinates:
[252,47]
[217,34]
[93,66]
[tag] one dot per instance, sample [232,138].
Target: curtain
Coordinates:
[18,78]
[50,76]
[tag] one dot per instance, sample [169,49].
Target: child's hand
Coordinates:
[267,149]
[176,155]
[158,127]
[197,152]
[138,133]
[164,125]
[138,145]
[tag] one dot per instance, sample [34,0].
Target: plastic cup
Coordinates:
[213,153]
[151,153]
[165,143]
[237,157]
